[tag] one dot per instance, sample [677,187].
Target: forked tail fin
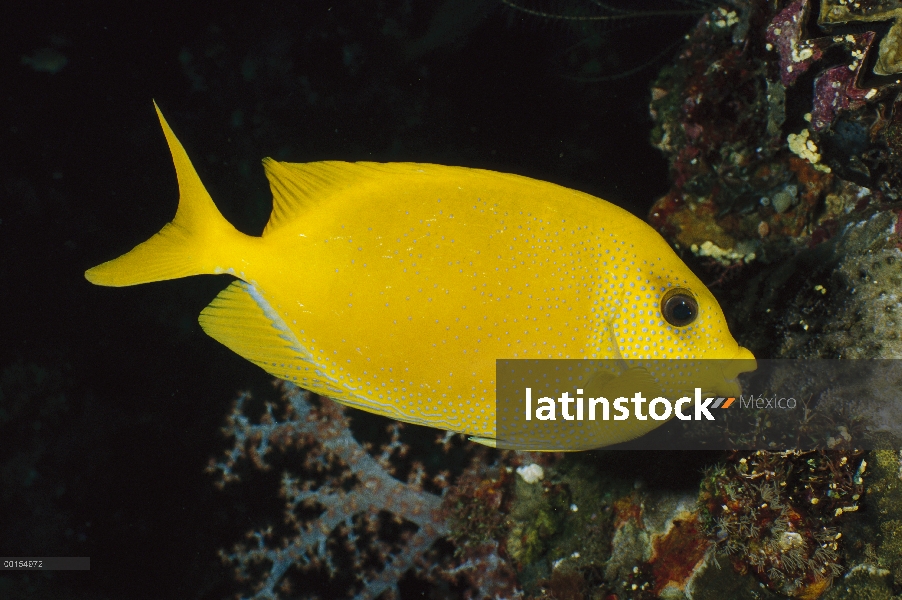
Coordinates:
[194,243]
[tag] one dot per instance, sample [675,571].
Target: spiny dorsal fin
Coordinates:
[298,186]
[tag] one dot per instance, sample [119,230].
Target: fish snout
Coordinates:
[743,362]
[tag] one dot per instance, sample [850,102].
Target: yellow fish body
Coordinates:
[394,287]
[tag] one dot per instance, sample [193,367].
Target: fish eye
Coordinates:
[679,307]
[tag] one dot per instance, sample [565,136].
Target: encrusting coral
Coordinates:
[776,514]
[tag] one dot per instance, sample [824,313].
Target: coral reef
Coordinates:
[585,531]
[776,514]
[798,523]
[477,508]
[784,153]
[772,145]
[350,524]
[839,299]
[355,491]
[706,122]
[657,547]
[885,496]
[837,88]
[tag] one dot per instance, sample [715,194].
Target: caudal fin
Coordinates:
[192,244]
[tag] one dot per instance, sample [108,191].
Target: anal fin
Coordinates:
[243,321]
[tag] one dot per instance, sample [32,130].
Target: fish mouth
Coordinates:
[742,362]
[729,388]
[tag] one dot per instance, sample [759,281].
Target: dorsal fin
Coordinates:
[298,186]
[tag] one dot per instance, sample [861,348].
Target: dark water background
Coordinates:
[113,398]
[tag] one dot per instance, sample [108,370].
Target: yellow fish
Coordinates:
[393,287]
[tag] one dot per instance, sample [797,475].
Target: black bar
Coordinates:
[45,563]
